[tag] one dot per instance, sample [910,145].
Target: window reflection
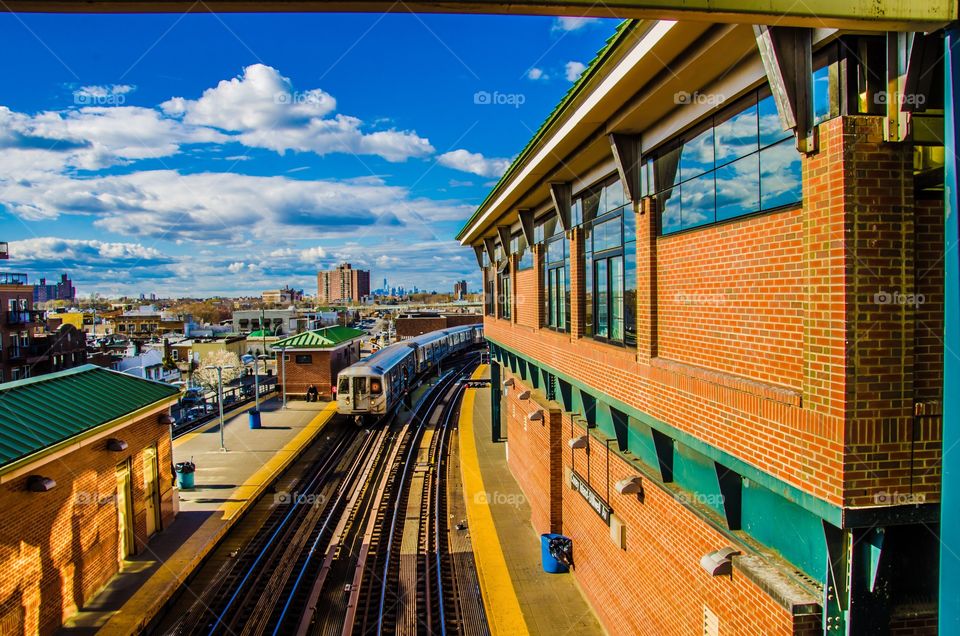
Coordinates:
[738,187]
[757,168]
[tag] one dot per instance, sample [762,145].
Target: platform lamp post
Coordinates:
[223,449]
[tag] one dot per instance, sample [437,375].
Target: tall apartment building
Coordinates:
[61,290]
[715,304]
[460,290]
[342,285]
[18,322]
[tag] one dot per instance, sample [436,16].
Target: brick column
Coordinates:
[539,296]
[646,279]
[577,282]
[860,303]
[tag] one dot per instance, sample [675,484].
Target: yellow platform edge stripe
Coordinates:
[140,608]
[499,596]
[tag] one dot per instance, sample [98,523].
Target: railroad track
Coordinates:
[328,560]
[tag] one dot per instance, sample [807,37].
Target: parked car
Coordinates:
[193,395]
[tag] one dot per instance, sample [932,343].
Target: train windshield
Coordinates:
[359,385]
[344,385]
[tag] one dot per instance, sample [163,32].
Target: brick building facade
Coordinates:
[416,324]
[342,285]
[745,320]
[314,358]
[105,455]
[18,324]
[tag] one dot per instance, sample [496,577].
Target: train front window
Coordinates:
[375,387]
[359,386]
[344,386]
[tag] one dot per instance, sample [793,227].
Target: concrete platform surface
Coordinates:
[226,485]
[506,547]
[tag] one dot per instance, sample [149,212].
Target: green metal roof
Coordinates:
[261,333]
[39,414]
[319,338]
[622,30]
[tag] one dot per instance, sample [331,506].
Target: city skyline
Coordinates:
[244,164]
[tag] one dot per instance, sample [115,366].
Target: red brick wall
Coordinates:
[58,548]
[656,585]
[321,371]
[736,290]
[526,297]
[764,336]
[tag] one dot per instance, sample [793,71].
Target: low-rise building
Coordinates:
[285,296]
[148,365]
[410,325]
[314,358]
[279,322]
[85,481]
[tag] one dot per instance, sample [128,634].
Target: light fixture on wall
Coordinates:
[508,383]
[523,395]
[39,483]
[536,416]
[630,486]
[116,445]
[719,562]
[578,442]
[167,420]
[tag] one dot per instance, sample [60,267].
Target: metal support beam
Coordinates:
[873,15]
[950,486]
[787,57]
[526,224]
[496,393]
[478,250]
[491,246]
[562,195]
[626,154]
[503,231]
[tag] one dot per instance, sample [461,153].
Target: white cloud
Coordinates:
[313,254]
[474,163]
[572,24]
[236,268]
[263,110]
[574,69]
[537,74]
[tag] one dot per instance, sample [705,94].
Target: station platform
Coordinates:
[226,485]
[519,597]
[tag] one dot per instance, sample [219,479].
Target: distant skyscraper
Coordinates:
[460,290]
[343,285]
[62,290]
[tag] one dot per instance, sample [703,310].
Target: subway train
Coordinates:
[373,386]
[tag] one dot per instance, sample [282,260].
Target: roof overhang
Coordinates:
[22,466]
[874,15]
[630,91]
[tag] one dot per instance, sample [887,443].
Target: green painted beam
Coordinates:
[825,510]
[874,15]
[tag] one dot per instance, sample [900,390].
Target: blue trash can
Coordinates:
[254,417]
[185,472]
[551,564]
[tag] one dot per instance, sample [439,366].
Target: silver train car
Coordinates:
[373,386]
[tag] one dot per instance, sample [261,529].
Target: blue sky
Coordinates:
[227,154]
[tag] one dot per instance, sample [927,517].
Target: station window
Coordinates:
[488,292]
[611,276]
[503,299]
[518,245]
[557,283]
[735,163]
[304,358]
